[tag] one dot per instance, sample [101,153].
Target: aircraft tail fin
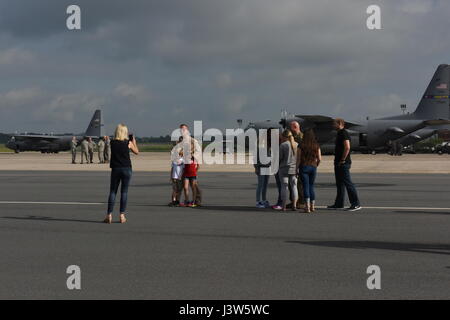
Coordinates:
[95,126]
[435,103]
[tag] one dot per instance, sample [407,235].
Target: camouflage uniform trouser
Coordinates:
[101,156]
[84,155]
[107,154]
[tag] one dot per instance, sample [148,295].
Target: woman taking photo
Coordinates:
[309,157]
[120,164]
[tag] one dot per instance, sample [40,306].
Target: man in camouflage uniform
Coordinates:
[101,150]
[195,150]
[84,150]
[73,148]
[107,149]
[91,150]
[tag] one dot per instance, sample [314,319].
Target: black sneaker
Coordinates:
[334,207]
[354,208]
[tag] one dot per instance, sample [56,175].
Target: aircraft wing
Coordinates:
[437,122]
[318,119]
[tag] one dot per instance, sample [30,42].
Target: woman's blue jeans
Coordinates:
[308,178]
[120,176]
[261,189]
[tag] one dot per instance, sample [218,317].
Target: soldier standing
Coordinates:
[84,150]
[91,150]
[73,147]
[101,150]
[107,149]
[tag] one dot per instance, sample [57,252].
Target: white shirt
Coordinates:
[177,169]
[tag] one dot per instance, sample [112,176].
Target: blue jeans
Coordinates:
[278,182]
[261,189]
[119,176]
[344,182]
[308,174]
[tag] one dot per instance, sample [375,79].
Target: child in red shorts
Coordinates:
[190,179]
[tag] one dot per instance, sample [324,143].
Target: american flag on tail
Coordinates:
[442,86]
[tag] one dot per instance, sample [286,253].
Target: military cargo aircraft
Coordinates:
[54,143]
[432,114]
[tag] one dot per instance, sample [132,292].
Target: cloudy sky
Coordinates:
[155,63]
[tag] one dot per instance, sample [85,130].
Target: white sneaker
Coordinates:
[260,205]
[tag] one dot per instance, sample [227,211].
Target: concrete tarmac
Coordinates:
[160,162]
[227,249]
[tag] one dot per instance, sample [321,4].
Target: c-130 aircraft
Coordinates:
[54,143]
[432,114]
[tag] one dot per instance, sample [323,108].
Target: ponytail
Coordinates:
[288,135]
[292,142]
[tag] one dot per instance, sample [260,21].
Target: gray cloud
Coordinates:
[153,64]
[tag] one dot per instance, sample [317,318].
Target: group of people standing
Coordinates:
[299,157]
[185,165]
[396,148]
[184,170]
[88,148]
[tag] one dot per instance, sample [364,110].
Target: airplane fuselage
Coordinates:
[24,143]
[54,143]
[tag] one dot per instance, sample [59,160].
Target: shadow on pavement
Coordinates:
[39,218]
[422,211]
[215,208]
[396,246]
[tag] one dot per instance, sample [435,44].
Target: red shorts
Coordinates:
[190,170]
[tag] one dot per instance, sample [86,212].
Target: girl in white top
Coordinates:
[176,175]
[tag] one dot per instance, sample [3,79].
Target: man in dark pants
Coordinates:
[342,164]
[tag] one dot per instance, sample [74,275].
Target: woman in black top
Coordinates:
[121,171]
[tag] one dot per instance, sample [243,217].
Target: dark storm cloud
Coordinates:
[154,64]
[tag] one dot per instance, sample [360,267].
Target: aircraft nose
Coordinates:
[11,145]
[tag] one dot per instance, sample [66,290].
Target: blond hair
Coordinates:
[121,132]
[290,137]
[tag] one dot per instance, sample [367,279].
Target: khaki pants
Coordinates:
[107,154]
[84,155]
[101,156]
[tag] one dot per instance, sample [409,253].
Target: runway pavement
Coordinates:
[160,162]
[227,249]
